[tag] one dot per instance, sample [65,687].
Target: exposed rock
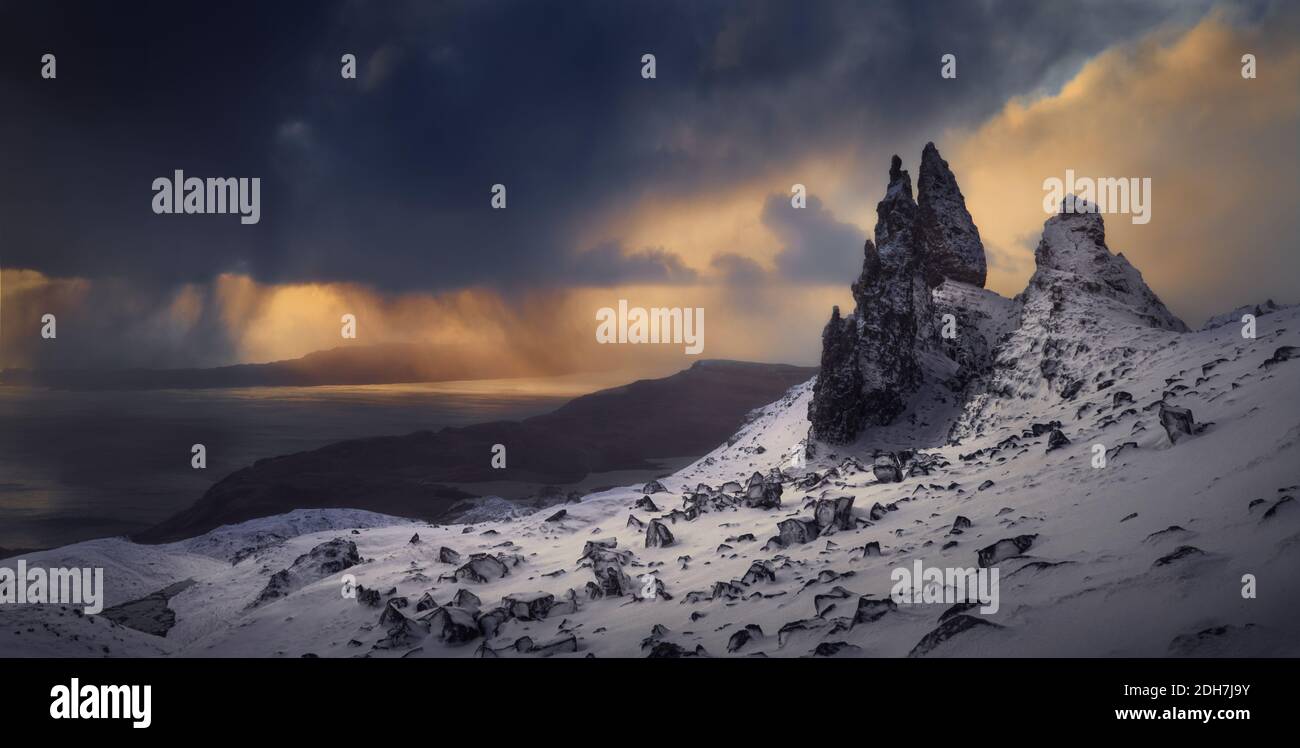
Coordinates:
[1178,422]
[1077,283]
[1283,503]
[759,571]
[1005,548]
[466,599]
[835,649]
[796,531]
[528,606]
[947,630]
[607,566]
[657,535]
[1285,353]
[150,613]
[491,621]
[833,514]
[669,649]
[367,597]
[869,364]
[559,645]
[654,486]
[1056,440]
[825,603]
[948,240]
[886,468]
[482,568]
[751,634]
[871,609]
[453,625]
[323,560]
[765,494]
[1183,551]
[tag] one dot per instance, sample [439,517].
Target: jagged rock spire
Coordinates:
[1073,252]
[870,363]
[896,218]
[868,359]
[948,239]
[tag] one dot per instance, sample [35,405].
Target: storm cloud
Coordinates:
[384,182]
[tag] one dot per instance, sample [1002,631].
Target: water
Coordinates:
[81,465]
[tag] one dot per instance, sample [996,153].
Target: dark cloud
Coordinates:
[738,270]
[816,246]
[609,265]
[385,180]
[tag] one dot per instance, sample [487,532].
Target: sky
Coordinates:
[671,191]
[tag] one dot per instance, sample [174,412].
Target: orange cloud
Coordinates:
[1221,152]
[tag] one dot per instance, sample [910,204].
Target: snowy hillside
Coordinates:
[1142,557]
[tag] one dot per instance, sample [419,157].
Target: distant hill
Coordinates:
[623,428]
[385,363]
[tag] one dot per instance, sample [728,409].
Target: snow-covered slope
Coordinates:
[1144,556]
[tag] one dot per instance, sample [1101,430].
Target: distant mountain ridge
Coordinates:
[380,363]
[623,428]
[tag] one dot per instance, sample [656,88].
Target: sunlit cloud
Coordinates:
[1221,152]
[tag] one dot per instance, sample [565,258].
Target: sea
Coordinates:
[77,465]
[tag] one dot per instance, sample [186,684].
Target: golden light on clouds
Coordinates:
[698,226]
[26,296]
[1220,150]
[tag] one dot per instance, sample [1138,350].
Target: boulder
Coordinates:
[887,469]
[1056,440]
[795,531]
[833,514]
[453,625]
[482,568]
[528,606]
[1177,422]
[657,535]
[1004,549]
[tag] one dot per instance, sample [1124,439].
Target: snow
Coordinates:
[1088,586]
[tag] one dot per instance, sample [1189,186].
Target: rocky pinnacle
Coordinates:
[949,242]
[869,364]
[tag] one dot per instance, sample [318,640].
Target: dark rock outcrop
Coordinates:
[869,363]
[326,559]
[834,514]
[1056,440]
[1178,422]
[887,469]
[481,568]
[657,535]
[1004,549]
[950,246]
